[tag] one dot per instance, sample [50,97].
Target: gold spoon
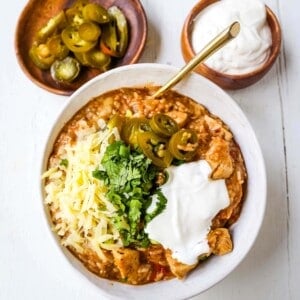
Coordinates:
[214,45]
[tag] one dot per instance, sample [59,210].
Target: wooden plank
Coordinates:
[289,92]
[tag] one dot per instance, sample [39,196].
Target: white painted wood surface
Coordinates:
[29,261]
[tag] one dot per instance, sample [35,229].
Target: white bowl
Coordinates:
[246,228]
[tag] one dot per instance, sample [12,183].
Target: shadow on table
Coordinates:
[153,44]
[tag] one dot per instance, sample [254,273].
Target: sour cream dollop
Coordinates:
[193,201]
[249,50]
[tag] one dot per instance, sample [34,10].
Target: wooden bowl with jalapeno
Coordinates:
[62,44]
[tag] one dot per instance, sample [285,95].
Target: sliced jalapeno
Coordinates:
[74,17]
[97,59]
[183,144]
[163,125]
[81,57]
[65,70]
[57,22]
[74,42]
[57,47]
[116,121]
[122,29]
[89,31]
[132,127]
[155,148]
[74,13]
[109,39]
[95,12]
[41,56]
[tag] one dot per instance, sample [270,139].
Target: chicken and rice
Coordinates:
[101,221]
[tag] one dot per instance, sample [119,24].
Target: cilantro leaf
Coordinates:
[64,162]
[160,206]
[131,181]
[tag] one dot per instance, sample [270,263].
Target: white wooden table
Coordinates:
[29,262]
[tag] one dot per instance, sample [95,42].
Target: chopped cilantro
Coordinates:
[160,206]
[131,180]
[177,162]
[64,162]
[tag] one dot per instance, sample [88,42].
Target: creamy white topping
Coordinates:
[249,50]
[193,201]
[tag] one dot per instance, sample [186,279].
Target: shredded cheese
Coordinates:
[82,213]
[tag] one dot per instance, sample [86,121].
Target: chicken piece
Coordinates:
[103,266]
[144,273]
[218,128]
[106,108]
[222,218]
[179,269]
[218,157]
[219,241]
[156,254]
[179,116]
[128,263]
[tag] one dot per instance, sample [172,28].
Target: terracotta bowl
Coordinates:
[224,80]
[35,15]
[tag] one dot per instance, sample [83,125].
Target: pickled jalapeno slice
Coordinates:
[57,47]
[89,31]
[117,121]
[95,12]
[71,37]
[183,144]
[65,70]
[41,56]
[132,127]
[74,14]
[109,39]
[122,29]
[163,125]
[97,59]
[155,148]
[55,23]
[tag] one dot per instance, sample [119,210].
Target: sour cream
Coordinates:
[249,50]
[193,201]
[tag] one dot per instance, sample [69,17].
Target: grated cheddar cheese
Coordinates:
[78,203]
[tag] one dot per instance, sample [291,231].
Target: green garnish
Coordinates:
[131,180]
[160,206]
[64,162]
[177,162]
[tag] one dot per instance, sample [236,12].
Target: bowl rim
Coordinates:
[67,92]
[185,289]
[187,44]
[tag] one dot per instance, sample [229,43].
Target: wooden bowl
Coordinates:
[225,80]
[35,15]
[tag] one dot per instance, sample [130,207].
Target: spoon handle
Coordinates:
[214,45]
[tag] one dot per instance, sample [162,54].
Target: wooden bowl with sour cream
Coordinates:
[224,80]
